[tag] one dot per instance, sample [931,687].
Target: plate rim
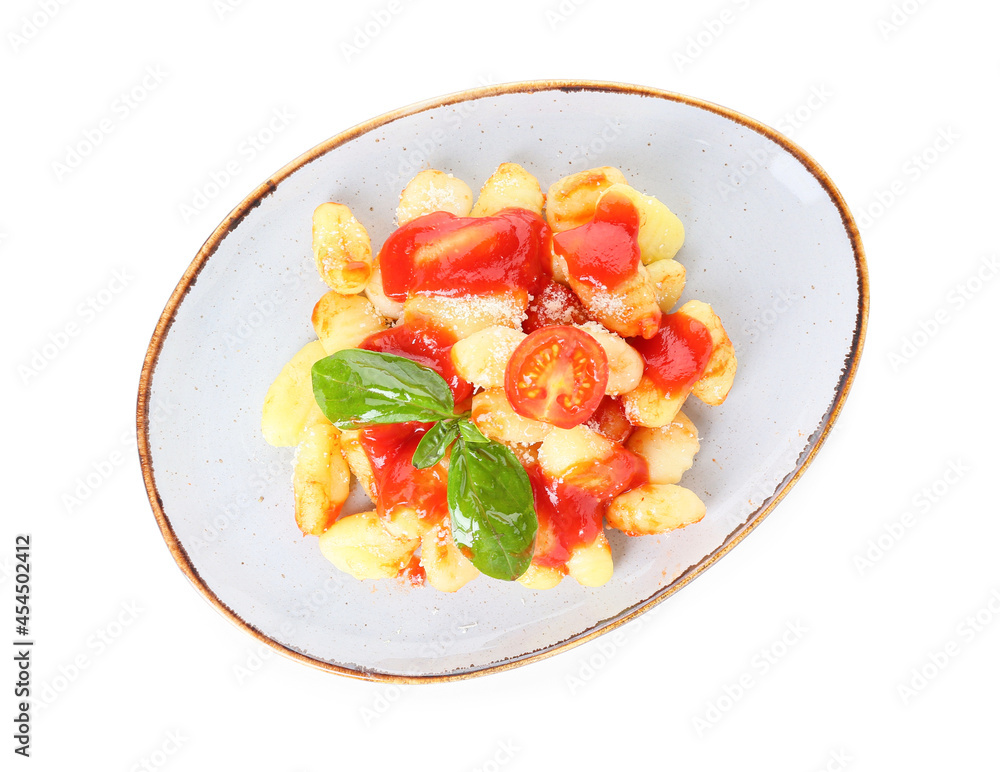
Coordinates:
[601,627]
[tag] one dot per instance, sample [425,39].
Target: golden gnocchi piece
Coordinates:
[446,568]
[625,365]
[481,359]
[565,450]
[321,478]
[464,316]
[361,546]
[496,419]
[290,399]
[591,565]
[661,233]
[342,249]
[668,277]
[572,200]
[714,385]
[433,191]
[389,308]
[403,522]
[648,405]
[630,309]
[558,268]
[668,450]
[357,460]
[651,509]
[540,577]
[511,185]
[344,321]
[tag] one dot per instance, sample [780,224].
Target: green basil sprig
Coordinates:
[489,495]
[492,509]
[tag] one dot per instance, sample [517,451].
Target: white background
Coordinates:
[171,684]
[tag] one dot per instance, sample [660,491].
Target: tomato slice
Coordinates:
[557,375]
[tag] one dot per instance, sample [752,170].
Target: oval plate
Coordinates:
[770,244]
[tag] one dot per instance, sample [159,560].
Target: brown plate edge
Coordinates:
[265,189]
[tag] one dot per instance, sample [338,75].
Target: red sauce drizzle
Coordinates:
[604,252]
[441,254]
[676,356]
[427,346]
[414,573]
[389,448]
[571,511]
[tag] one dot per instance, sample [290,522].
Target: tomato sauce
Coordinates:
[571,510]
[426,346]
[604,252]
[676,356]
[610,421]
[389,448]
[414,573]
[441,254]
[554,304]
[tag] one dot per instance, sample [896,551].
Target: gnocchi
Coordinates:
[713,387]
[482,357]
[342,249]
[591,565]
[668,277]
[321,480]
[358,462]
[511,185]
[433,191]
[669,450]
[630,309]
[462,317]
[289,400]
[540,577]
[344,321]
[361,546]
[652,509]
[389,308]
[447,569]
[564,450]
[649,405]
[661,233]
[572,200]
[496,419]
[625,365]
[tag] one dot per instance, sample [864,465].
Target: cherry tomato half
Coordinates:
[557,375]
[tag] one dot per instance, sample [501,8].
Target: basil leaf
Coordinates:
[471,434]
[434,443]
[356,388]
[492,508]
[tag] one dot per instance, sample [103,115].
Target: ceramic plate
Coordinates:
[770,244]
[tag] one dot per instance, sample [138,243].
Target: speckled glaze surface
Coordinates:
[770,244]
